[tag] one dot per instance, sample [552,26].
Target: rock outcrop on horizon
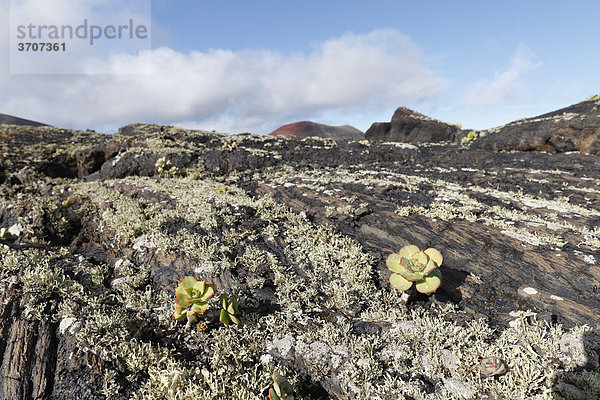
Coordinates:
[409,126]
[303,129]
[10,120]
[98,230]
[573,128]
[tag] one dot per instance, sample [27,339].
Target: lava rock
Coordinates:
[573,128]
[410,126]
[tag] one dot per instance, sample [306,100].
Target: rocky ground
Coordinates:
[99,230]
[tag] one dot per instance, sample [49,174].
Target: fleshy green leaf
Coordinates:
[199,286]
[413,276]
[435,259]
[430,282]
[429,267]
[199,308]
[183,298]
[397,264]
[394,263]
[180,312]
[188,282]
[421,258]
[399,282]
[408,251]
[273,395]
[282,387]
[233,306]
[224,318]
[209,291]
[192,318]
[229,307]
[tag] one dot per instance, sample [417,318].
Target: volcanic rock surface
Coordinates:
[304,129]
[410,126]
[99,230]
[573,128]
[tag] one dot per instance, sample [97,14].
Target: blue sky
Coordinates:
[253,66]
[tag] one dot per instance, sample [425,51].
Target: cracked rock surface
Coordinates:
[101,228]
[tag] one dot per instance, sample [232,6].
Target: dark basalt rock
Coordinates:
[573,128]
[410,126]
[90,160]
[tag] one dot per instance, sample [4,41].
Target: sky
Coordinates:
[252,66]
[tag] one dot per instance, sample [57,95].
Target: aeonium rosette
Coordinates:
[411,264]
[192,298]
[490,366]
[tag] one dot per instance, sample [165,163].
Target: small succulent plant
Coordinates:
[472,135]
[192,299]
[229,309]
[282,390]
[68,202]
[490,366]
[411,264]
[230,145]
[164,166]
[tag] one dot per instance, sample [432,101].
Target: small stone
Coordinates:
[458,388]
[283,347]
[404,327]
[68,324]
[449,361]
[209,267]
[16,229]
[361,212]
[530,291]
[571,389]
[572,349]
[266,359]
[144,242]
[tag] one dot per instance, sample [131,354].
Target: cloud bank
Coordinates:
[506,85]
[249,90]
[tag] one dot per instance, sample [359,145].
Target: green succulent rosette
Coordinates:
[192,298]
[411,264]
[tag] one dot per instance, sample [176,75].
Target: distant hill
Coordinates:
[307,128]
[10,120]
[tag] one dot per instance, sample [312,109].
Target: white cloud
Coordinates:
[506,85]
[251,90]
